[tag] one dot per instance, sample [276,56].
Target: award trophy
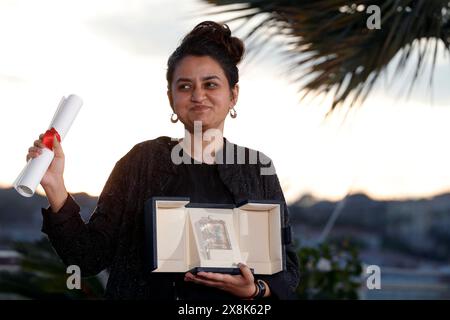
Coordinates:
[213,235]
[182,236]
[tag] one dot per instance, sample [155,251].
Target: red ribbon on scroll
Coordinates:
[47,140]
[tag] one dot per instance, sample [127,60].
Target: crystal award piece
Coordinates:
[213,235]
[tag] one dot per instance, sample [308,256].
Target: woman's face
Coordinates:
[200,92]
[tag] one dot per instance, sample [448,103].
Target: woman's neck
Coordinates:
[203,146]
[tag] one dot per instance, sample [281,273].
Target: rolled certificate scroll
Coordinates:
[30,177]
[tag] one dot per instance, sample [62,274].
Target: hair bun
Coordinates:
[210,31]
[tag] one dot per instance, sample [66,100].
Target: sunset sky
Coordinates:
[113,54]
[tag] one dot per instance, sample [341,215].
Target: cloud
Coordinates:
[11,79]
[149,28]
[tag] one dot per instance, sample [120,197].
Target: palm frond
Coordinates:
[328,41]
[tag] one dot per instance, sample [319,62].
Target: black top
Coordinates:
[202,184]
[114,237]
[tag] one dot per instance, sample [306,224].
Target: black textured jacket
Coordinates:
[114,236]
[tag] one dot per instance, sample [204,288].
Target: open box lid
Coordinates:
[181,236]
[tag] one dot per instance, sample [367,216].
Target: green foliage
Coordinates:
[329,271]
[43,276]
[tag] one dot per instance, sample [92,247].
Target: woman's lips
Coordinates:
[200,108]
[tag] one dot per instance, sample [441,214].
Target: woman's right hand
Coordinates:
[53,177]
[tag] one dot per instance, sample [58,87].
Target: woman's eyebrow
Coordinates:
[203,79]
[210,78]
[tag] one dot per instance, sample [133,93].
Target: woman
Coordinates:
[202,79]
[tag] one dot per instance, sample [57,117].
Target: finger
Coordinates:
[208,283]
[246,272]
[57,147]
[212,276]
[32,155]
[189,276]
[35,149]
[38,143]
[41,136]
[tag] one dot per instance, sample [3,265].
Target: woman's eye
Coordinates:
[184,86]
[211,85]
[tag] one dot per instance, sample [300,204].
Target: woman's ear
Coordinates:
[169,95]
[234,95]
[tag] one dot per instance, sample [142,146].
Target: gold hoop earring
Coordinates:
[172,119]
[233,113]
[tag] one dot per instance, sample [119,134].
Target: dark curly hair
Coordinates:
[212,39]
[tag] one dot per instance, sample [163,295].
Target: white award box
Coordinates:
[183,236]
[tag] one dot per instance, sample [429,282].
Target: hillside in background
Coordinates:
[21,218]
[406,233]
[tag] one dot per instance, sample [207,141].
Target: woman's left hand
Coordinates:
[242,285]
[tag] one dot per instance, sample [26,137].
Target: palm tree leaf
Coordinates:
[329,44]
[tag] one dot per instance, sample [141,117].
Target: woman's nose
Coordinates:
[198,94]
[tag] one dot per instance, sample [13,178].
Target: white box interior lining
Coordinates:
[255,228]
